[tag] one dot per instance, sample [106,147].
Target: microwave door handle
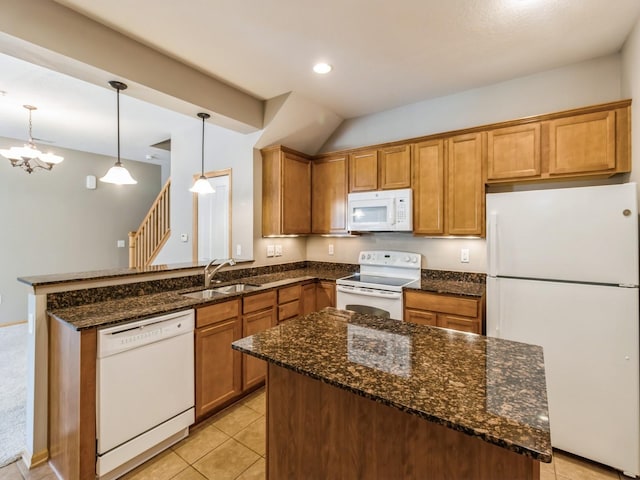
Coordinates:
[391,212]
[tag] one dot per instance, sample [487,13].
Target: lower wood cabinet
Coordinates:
[308,299]
[325,294]
[448,311]
[218,367]
[259,314]
[289,302]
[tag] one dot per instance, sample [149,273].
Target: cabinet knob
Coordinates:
[626,212]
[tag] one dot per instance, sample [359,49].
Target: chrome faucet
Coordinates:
[208,276]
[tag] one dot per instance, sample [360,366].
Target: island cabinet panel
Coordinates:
[318,431]
[289,302]
[446,311]
[513,152]
[308,298]
[72,400]
[325,294]
[465,197]
[329,189]
[363,171]
[259,314]
[582,143]
[218,367]
[395,167]
[286,192]
[428,165]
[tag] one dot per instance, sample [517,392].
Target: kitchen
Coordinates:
[444,254]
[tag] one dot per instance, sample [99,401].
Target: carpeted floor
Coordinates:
[13,391]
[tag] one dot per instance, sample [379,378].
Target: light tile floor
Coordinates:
[231,446]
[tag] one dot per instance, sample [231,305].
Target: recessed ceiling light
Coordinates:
[322,68]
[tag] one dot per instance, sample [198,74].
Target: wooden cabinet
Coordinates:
[513,152]
[286,192]
[259,314]
[582,143]
[329,195]
[428,187]
[465,186]
[363,171]
[289,302]
[448,311]
[395,167]
[325,294]
[218,367]
[308,298]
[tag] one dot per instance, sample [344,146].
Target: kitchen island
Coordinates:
[356,396]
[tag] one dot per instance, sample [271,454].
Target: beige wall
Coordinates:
[52,224]
[631,89]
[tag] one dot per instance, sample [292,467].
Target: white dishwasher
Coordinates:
[145,390]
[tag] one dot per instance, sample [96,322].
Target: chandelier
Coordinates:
[28,156]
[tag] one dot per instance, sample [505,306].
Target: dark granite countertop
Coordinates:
[451,287]
[485,387]
[110,312]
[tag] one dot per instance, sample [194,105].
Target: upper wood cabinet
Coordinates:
[286,192]
[513,152]
[587,142]
[395,167]
[465,186]
[329,195]
[363,171]
[428,165]
[582,143]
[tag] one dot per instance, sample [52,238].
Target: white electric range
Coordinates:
[377,289]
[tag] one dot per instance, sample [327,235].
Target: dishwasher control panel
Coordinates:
[136,334]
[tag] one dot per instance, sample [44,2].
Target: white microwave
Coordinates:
[380,211]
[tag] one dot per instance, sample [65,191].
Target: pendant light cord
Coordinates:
[202,168]
[118,116]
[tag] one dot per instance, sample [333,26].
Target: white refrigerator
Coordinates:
[563,274]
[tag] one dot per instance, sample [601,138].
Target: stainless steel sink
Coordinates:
[226,290]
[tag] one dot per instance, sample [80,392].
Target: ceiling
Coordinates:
[385,54]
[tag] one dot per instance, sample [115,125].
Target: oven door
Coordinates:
[371,301]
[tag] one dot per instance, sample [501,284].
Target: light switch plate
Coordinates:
[270,250]
[184,237]
[464,255]
[120,243]
[331,249]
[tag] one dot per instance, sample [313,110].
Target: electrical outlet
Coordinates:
[331,249]
[278,250]
[184,237]
[464,255]
[238,250]
[270,251]
[120,244]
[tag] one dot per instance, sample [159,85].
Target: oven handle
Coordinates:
[368,292]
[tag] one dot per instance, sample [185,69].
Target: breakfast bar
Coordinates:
[356,396]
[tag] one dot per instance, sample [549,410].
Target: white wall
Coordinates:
[52,224]
[223,149]
[587,83]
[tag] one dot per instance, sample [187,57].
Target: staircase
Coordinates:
[154,231]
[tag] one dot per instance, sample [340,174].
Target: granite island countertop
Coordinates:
[489,388]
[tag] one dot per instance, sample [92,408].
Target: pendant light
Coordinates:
[118,174]
[202,185]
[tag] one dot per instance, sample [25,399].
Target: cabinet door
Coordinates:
[465,186]
[218,367]
[421,317]
[363,171]
[254,370]
[296,194]
[308,298]
[513,152]
[582,143]
[329,195]
[471,325]
[325,295]
[395,167]
[428,187]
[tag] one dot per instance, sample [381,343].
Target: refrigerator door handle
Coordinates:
[495,323]
[492,237]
